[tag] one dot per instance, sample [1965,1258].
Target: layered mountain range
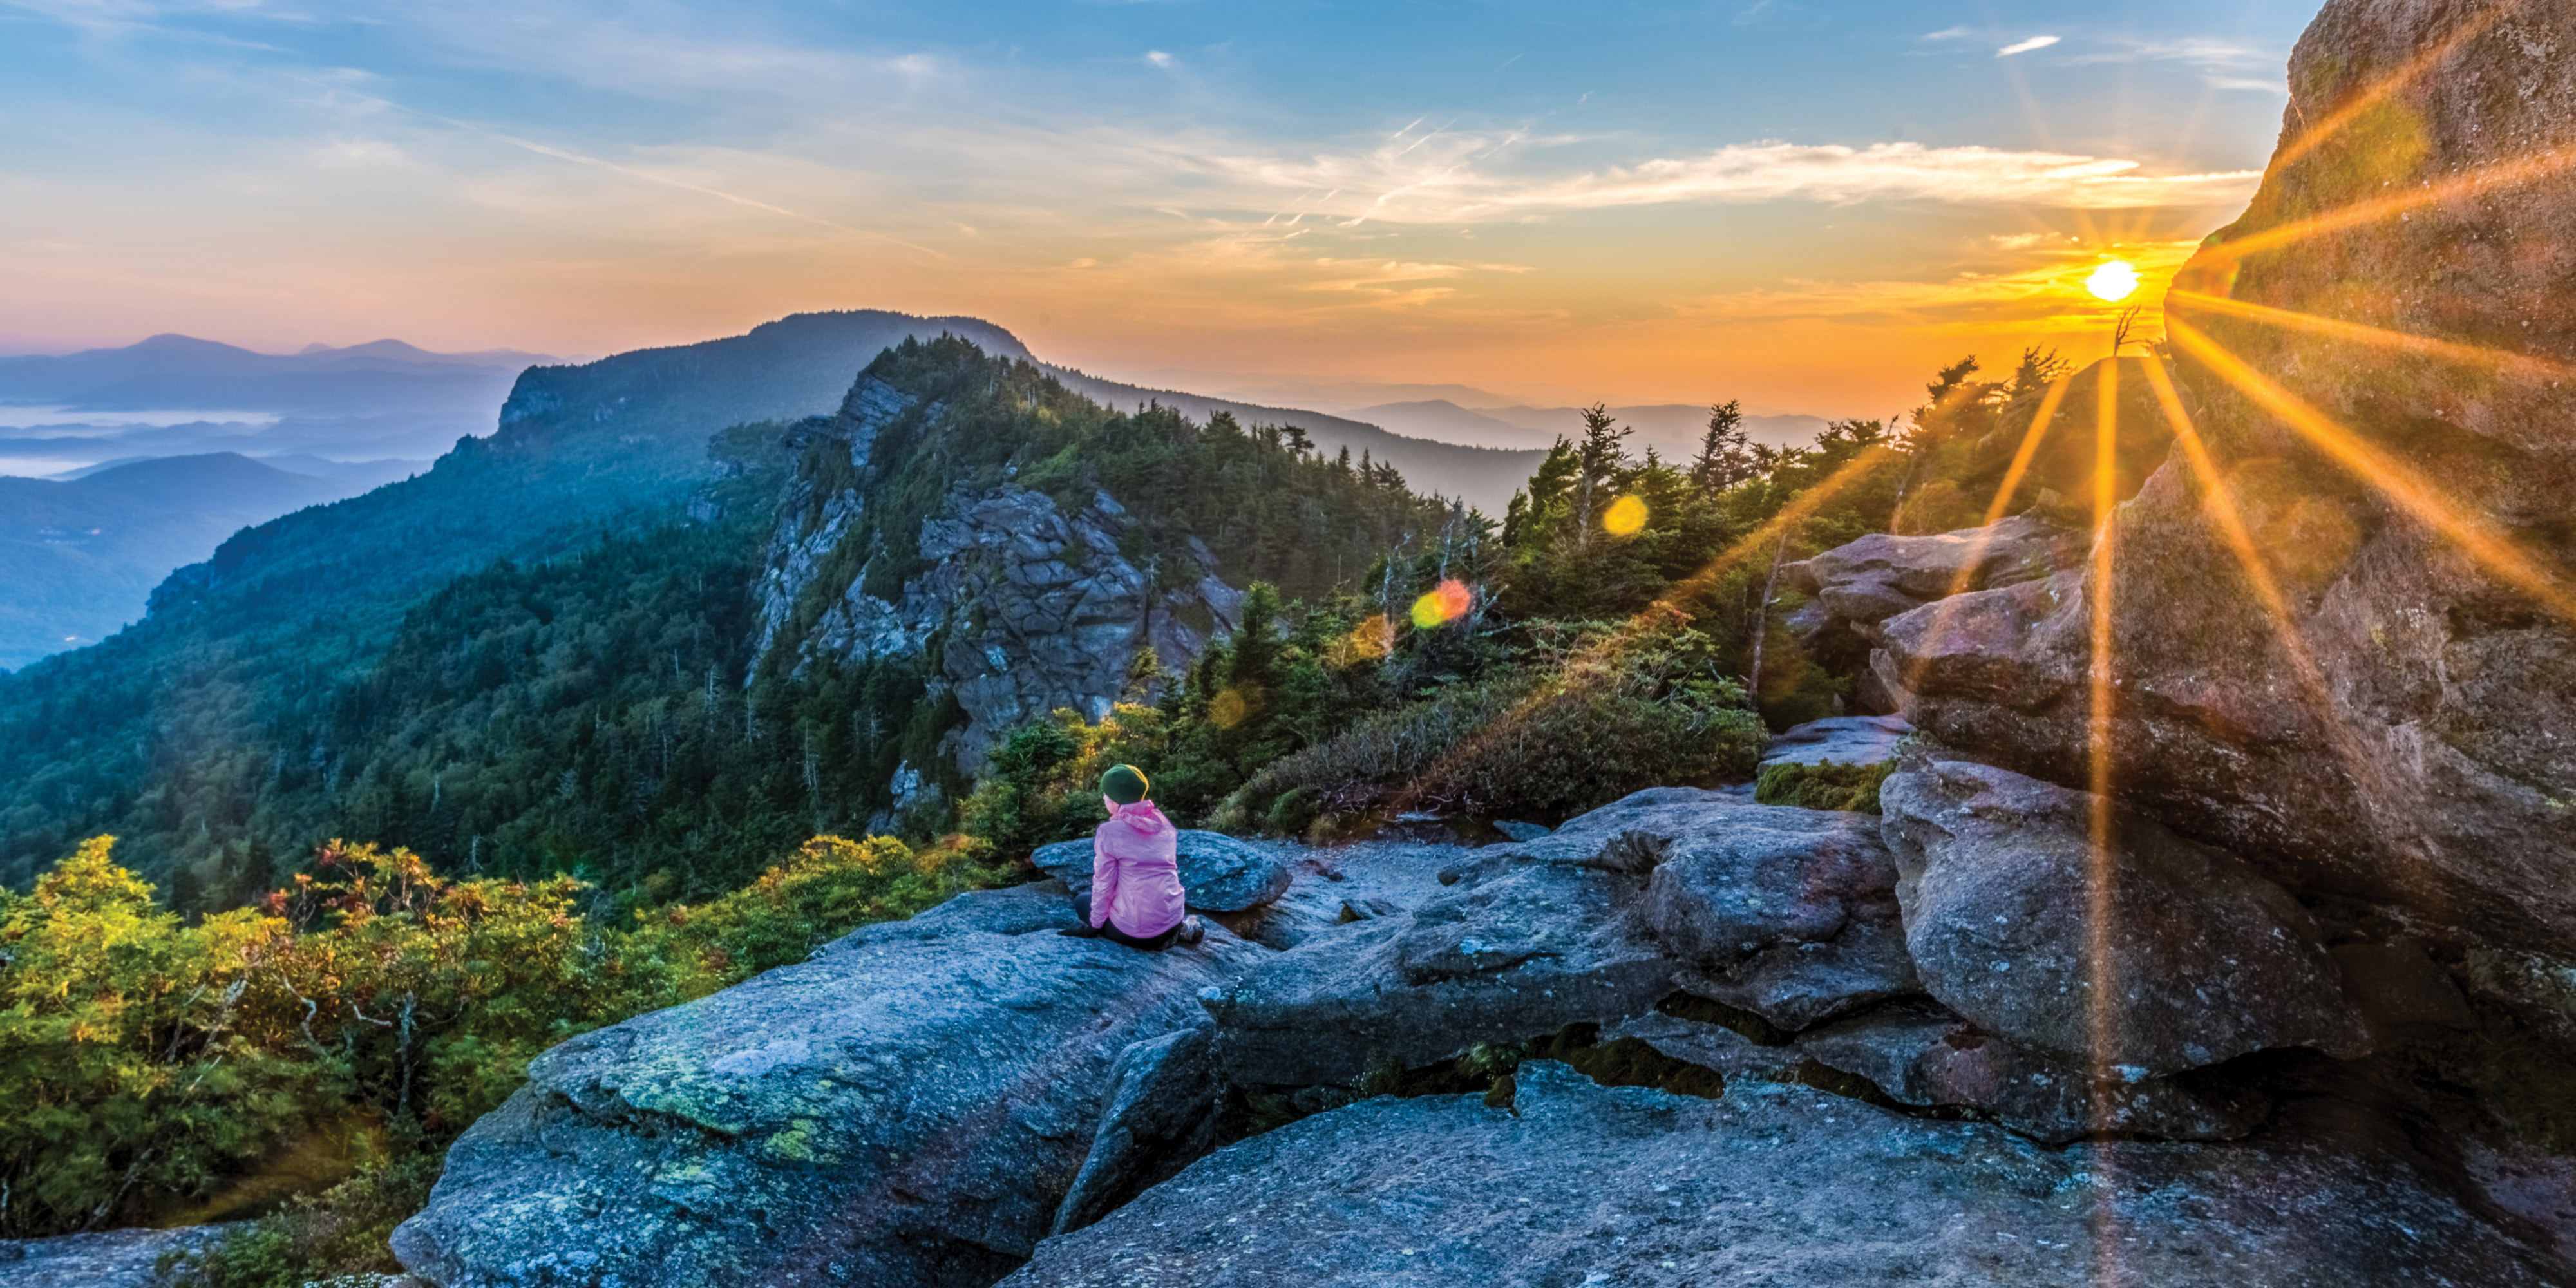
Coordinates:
[299,683]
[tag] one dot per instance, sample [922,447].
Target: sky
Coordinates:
[1808,206]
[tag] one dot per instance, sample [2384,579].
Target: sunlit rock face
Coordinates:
[2413,756]
[1027,605]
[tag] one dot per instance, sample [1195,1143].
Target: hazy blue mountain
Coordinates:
[82,555]
[1479,474]
[1672,429]
[177,371]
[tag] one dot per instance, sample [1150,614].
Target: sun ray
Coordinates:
[2342,117]
[2504,175]
[2376,468]
[2372,790]
[2400,341]
[2101,977]
[1947,605]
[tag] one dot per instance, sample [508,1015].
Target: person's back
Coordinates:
[1136,893]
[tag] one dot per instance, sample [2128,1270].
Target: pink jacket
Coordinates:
[1136,871]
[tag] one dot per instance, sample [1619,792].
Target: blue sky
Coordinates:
[1803,202]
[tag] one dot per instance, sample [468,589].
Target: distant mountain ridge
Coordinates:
[171,370]
[82,555]
[166,729]
[1672,429]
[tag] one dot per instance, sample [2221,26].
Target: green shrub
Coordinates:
[320,1238]
[1549,750]
[1295,811]
[1827,786]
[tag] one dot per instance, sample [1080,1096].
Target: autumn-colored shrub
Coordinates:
[158,1069]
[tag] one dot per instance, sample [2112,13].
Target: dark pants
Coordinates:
[1109,929]
[1158,943]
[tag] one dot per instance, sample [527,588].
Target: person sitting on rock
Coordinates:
[1136,894]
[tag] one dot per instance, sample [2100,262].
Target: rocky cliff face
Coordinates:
[1025,604]
[2376,713]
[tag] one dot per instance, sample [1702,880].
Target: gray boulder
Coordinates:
[1920,1054]
[1519,947]
[1777,1185]
[1788,913]
[2201,960]
[1164,1095]
[910,1107]
[106,1258]
[1883,575]
[1219,873]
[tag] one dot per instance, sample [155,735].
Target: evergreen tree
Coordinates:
[1598,454]
[1725,456]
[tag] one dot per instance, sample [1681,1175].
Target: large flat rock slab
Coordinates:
[909,1108]
[1780,1186]
[1519,947]
[103,1259]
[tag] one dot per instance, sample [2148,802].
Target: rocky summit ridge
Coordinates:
[2223,1024]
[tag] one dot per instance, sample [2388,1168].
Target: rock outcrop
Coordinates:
[1579,1184]
[1031,604]
[1857,587]
[911,1107]
[2376,710]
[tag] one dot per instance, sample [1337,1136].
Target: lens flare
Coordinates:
[1446,603]
[1367,642]
[2114,281]
[1228,708]
[1626,517]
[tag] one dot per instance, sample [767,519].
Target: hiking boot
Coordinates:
[1192,930]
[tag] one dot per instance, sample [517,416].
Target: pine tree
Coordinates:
[1597,455]
[1725,456]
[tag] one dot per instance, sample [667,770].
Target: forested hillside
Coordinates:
[585,701]
[167,732]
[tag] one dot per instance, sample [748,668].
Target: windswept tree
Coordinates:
[1726,456]
[1598,454]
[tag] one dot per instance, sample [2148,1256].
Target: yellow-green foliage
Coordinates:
[156,1068]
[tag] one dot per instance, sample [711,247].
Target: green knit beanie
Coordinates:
[1124,784]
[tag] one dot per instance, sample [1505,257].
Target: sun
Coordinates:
[2114,281]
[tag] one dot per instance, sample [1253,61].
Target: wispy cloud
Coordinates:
[2025,46]
[1467,178]
[2204,52]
